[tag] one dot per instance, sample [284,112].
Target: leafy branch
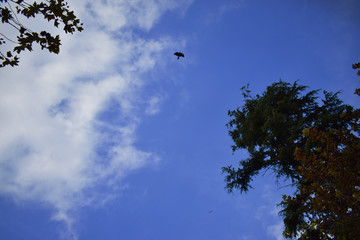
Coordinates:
[55,11]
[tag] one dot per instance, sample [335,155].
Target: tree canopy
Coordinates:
[55,11]
[270,126]
[316,144]
[326,204]
[327,201]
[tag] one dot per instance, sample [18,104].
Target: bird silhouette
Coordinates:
[179,54]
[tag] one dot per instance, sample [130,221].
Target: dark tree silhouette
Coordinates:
[325,167]
[270,127]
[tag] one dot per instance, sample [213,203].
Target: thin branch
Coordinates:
[8,38]
[2,54]
[13,12]
[19,24]
[13,26]
[20,4]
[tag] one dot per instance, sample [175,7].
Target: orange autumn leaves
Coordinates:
[329,191]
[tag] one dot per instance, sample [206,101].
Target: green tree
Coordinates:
[326,204]
[270,126]
[55,11]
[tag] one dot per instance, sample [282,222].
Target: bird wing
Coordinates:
[179,54]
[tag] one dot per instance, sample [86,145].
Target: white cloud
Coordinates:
[56,141]
[231,5]
[154,105]
[116,14]
[276,231]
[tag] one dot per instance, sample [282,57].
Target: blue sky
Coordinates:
[114,138]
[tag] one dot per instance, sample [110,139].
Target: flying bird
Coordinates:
[179,54]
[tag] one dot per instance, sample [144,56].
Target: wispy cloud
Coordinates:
[269,213]
[154,105]
[276,231]
[68,122]
[114,15]
[223,7]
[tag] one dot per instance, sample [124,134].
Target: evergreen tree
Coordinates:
[270,126]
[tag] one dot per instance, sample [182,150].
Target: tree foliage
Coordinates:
[327,203]
[270,126]
[55,11]
[357,66]
[317,145]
